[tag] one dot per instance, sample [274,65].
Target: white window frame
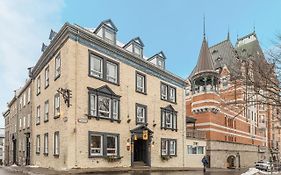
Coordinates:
[57,105]
[164,150]
[115,109]
[140,85]
[46,110]
[20,123]
[98,149]
[172,147]
[57,66]
[38,144]
[140,119]
[164,92]
[110,149]
[56,143]
[46,143]
[93,104]
[109,77]
[38,85]
[172,94]
[38,115]
[94,72]
[47,78]
[103,111]
[23,122]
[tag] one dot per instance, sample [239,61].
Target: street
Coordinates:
[6,172]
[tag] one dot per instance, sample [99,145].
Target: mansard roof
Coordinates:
[250,49]
[205,62]
[108,23]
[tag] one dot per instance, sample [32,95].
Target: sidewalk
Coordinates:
[47,171]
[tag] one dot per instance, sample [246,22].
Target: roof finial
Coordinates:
[204,32]
[228,35]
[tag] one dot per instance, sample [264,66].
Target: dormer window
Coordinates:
[107,31]
[158,59]
[135,46]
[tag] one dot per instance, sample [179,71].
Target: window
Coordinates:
[141,114]
[46,144]
[137,50]
[111,145]
[168,93]
[57,105]
[103,103]
[20,123]
[38,144]
[38,85]
[56,143]
[160,63]
[38,115]
[194,149]
[104,69]
[46,111]
[28,120]
[140,83]
[57,66]
[47,77]
[111,72]
[24,99]
[96,66]
[168,118]
[104,106]
[109,36]
[20,103]
[96,145]
[103,144]
[23,122]
[168,147]
[29,95]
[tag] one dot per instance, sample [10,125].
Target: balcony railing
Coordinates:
[193,133]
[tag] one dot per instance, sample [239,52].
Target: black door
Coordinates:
[27,161]
[14,151]
[140,151]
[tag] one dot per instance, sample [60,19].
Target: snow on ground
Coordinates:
[253,171]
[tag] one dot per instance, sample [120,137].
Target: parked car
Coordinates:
[263,165]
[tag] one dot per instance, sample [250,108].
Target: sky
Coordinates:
[172,26]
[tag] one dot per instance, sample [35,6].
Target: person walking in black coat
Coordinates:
[205,162]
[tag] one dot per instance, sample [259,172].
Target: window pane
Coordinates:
[164,147]
[172,147]
[140,83]
[189,149]
[164,91]
[96,66]
[111,72]
[200,150]
[172,94]
[104,106]
[111,145]
[93,105]
[169,116]
[115,109]
[57,66]
[140,114]
[137,50]
[95,145]
[109,35]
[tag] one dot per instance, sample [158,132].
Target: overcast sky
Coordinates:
[174,26]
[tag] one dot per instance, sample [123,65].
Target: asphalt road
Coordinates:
[6,172]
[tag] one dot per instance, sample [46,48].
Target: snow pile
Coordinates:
[253,171]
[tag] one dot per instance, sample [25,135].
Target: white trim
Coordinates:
[216,130]
[204,101]
[214,124]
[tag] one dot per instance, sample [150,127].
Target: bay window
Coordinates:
[103,103]
[168,118]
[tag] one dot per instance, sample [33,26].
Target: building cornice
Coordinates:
[89,39]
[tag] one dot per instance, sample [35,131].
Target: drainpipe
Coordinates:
[184,128]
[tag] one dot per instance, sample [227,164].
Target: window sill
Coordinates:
[57,116]
[169,129]
[38,123]
[45,121]
[169,101]
[102,118]
[104,80]
[46,86]
[57,77]
[140,92]
[45,154]
[56,155]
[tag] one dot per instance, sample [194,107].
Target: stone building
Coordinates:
[96,102]
[237,136]
[2,147]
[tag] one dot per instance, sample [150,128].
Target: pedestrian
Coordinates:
[205,162]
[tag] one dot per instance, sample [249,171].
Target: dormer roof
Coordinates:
[205,62]
[107,23]
[160,54]
[136,40]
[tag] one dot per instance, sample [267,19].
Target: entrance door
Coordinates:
[14,151]
[27,161]
[140,152]
[231,162]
